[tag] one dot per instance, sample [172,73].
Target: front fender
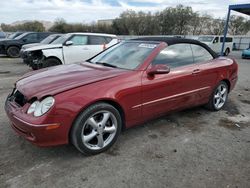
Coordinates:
[56,52]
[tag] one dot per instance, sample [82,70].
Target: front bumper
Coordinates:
[2,49]
[42,131]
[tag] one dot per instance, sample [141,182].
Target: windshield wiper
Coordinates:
[106,64]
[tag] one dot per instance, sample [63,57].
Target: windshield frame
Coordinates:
[21,36]
[14,35]
[49,39]
[63,38]
[140,66]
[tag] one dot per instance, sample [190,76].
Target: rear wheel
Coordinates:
[219,97]
[96,129]
[13,51]
[227,52]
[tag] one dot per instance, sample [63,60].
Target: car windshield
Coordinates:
[205,39]
[61,39]
[21,36]
[14,35]
[48,39]
[125,55]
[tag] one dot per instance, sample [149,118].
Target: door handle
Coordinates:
[85,48]
[196,71]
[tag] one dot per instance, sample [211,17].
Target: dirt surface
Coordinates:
[192,148]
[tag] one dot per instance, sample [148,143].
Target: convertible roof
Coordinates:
[175,40]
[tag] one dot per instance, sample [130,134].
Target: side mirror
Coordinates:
[68,43]
[158,69]
[24,40]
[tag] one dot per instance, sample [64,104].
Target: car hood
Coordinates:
[61,78]
[246,51]
[8,40]
[44,47]
[24,47]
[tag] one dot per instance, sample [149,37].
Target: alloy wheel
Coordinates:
[99,130]
[220,96]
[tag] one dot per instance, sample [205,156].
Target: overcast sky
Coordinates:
[92,10]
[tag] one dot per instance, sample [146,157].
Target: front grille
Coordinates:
[18,98]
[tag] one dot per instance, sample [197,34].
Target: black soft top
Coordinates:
[175,40]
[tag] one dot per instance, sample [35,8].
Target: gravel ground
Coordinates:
[192,148]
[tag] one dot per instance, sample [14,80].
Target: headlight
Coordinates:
[40,108]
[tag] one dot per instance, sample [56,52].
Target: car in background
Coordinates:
[215,43]
[47,40]
[88,104]
[2,35]
[11,47]
[245,53]
[70,48]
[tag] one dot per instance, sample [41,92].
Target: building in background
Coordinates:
[105,21]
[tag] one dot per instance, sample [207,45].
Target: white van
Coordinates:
[215,43]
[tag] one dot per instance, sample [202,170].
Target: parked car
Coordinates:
[246,53]
[215,43]
[89,103]
[47,40]
[70,48]
[11,47]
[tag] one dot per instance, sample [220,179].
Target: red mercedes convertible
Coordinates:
[88,104]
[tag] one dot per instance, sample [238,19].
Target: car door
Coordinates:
[207,71]
[176,90]
[77,51]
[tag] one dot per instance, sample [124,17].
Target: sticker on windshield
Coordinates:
[143,45]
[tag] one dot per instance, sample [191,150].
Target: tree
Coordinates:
[27,26]
[238,25]
[175,20]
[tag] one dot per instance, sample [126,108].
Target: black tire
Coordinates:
[211,104]
[51,62]
[77,130]
[13,51]
[227,52]
[46,63]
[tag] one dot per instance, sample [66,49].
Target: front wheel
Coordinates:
[96,129]
[219,97]
[13,51]
[51,62]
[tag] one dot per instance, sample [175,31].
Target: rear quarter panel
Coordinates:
[219,69]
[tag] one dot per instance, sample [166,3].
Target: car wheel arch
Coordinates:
[53,57]
[108,101]
[228,83]
[7,47]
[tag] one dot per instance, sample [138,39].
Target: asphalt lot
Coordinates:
[192,148]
